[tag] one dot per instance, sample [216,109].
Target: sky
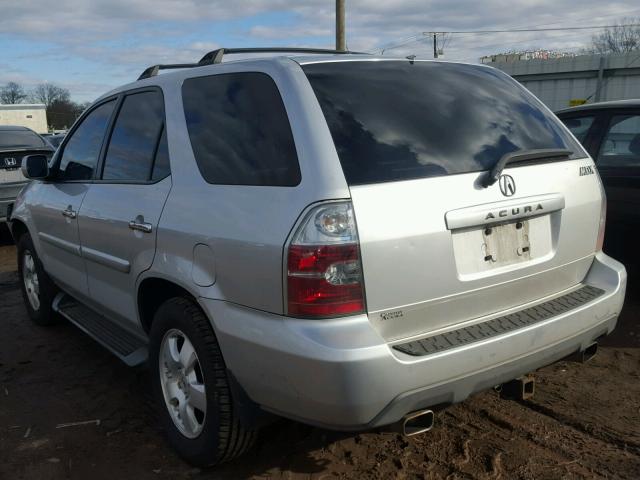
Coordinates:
[92,46]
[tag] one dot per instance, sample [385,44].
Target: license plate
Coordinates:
[507,244]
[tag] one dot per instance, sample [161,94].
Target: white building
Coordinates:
[33,116]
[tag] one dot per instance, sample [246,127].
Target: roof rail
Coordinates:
[153,70]
[215,56]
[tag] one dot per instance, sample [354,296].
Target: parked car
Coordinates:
[341,239]
[56,139]
[15,143]
[610,131]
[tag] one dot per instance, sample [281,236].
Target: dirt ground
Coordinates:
[584,421]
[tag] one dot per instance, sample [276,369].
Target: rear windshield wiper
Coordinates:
[522,156]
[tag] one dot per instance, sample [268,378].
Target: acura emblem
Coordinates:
[10,162]
[507,185]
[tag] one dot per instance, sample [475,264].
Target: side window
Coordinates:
[161,167]
[239,130]
[81,151]
[621,144]
[579,126]
[134,141]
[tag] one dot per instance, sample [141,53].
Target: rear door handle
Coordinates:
[140,226]
[69,212]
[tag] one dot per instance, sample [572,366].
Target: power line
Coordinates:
[447,38]
[519,30]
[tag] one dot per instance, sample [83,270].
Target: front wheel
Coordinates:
[191,386]
[38,291]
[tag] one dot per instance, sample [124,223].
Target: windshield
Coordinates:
[20,139]
[397,120]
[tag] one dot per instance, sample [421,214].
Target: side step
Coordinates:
[129,348]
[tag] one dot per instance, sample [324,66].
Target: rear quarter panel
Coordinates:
[245,227]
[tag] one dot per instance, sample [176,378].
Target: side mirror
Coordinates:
[35,166]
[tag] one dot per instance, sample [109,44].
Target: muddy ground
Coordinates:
[584,421]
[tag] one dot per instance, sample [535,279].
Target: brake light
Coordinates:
[324,274]
[603,218]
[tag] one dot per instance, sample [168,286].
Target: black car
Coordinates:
[15,143]
[55,139]
[610,131]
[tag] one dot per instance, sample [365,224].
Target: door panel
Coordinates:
[59,201]
[58,233]
[115,253]
[121,211]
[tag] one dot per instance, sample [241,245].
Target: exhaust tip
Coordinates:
[589,352]
[418,422]
[582,356]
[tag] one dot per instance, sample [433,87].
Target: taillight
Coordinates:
[324,274]
[603,219]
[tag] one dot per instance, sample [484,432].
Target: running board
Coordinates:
[123,344]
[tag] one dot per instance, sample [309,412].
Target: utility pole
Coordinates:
[341,43]
[435,45]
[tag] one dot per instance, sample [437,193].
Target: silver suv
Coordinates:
[344,240]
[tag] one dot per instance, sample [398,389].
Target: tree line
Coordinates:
[61,110]
[622,38]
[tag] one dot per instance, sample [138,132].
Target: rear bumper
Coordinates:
[341,374]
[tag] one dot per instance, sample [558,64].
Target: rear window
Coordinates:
[21,139]
[239,130]
[396,120]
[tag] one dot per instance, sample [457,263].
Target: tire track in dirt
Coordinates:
[560,438]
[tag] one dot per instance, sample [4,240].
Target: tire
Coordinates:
[38,290]
[202,439]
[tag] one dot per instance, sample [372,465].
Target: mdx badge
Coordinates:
[586,170]
[507,185]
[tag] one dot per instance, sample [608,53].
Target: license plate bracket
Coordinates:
[507,243]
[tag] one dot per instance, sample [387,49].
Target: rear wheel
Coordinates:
[38,291]
[191,386]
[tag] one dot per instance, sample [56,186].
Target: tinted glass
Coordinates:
[239,130]
[81,152]
[21,139]
[394,120]
[579,126]
[135,137]
[161,167]
[621,144]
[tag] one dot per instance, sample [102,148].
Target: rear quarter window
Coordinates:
[239,130]
[400,120]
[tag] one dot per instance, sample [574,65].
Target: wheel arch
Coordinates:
[17,228]
[153,291]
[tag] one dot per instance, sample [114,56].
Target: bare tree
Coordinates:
[62,113]
[12,93]
[624,37]
[49,93]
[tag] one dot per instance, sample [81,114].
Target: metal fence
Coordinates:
[563,82]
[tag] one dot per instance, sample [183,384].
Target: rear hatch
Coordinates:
[415,140]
